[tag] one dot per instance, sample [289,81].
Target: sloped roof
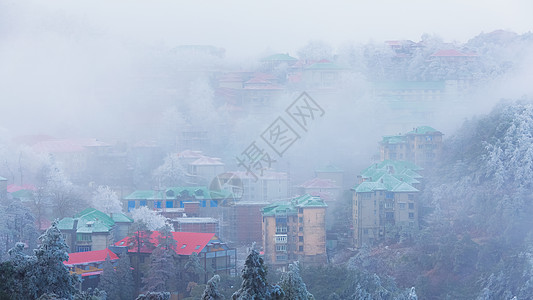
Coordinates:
[424,130]
[15,188]
[187,242]
[291,207]
[92,220]
[319,183]
[330,168]
[79,258]
[208,161]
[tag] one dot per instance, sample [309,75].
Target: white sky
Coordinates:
[284,26]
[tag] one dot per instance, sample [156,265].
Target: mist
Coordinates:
[146,89]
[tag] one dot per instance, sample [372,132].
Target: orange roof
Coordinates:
[187,242]
[79,258]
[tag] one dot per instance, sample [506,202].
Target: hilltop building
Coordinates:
[422,146]
[89,265]
[295,230]
[385,201]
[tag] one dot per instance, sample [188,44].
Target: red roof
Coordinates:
[15,188]
[79,258]
[187,242]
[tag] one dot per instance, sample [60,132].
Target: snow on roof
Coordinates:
[187,242]
[79,258]
[205,160]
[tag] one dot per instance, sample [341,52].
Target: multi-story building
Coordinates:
[89,265]
[422,146]
[295,230]
[385,199]
[244,220]
[92,230]
[270,186]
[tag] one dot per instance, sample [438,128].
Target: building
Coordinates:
[205,225]
[295,230]
[177,197]
[331,172]
[270,186]
[89,265]
[327,189]
[245,223]
[385,201]
[206,168]
[92,230]
[215,255]
[422,146]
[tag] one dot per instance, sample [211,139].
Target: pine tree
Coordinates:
[254,284]
[193,269]
[154,296]
[125,278]
[49,274]
[211,290]
[293,286]
[161,273]
[109,281]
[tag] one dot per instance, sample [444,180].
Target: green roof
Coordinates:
[140,195]
[20,194]
[279,57]
[66,224]
[121,218]
[424,130]
[291,207]
[389,175]
[199,193]
[394,139]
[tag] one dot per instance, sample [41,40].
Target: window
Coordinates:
[301,219]
[83,248]
[183,246]
[203,203]
[131,205]
[300,248]
[411,196]
[281,257]
[182,205]
[411,206]
[83,237]
[213,203]
[197,247]
[300,239]
[411,215]
[389,216]
[282,247]
[157,204]
[142,203]
[170,204]
[281,239]
[389,195]
[402,205]
[300,229]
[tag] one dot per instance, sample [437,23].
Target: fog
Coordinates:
[138,72]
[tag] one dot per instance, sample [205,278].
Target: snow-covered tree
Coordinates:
[161,275]
[254,283]
[172,173]
[106,200]
[193,269]
[109,281]
[211,290]
[125,276]
[49,274]
[154,296]
[62,193]
[151,219]
[17,225]
[293,286]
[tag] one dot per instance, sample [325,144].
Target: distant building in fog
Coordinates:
[422,146]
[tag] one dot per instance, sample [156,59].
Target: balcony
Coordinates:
[280,239]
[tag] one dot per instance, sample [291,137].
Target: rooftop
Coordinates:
[291,206]
[186,242]
[79,258]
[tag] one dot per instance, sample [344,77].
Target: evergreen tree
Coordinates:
[49,274]
[193,269]
[109,281]
[154,296]
[91,294]
[293,286]
[161,273]
[211,290]
[254,284]
[15,284]
[125,278]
